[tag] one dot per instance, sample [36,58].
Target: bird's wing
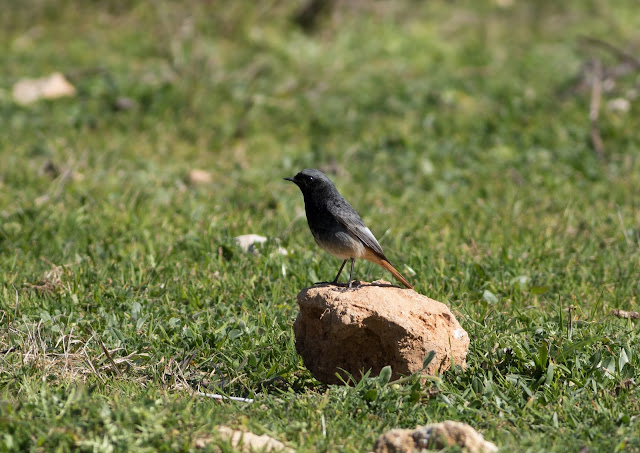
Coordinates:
[354,225]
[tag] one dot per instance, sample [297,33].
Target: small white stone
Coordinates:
[280,251]
[248,242]
[621,105]
[197,176]
[245,441]
[27,91]
[434,437]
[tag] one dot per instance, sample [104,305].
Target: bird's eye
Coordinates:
[310,178]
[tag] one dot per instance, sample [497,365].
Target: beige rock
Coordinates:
[196,177]
[249,442]
[374,326]
[434,437]
[27,91]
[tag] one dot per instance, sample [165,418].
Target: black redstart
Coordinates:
[336,226]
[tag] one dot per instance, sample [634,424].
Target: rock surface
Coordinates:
[434,437]
[374,326]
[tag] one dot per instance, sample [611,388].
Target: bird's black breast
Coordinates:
[325,219]
[319,214]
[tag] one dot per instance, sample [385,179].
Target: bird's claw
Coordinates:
[325,283]
[354,284]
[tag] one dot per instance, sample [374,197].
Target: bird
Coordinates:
[337,227]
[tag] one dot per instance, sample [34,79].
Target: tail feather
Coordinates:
[387,265]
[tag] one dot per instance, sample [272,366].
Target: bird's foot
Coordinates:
[334,283]
[354,284]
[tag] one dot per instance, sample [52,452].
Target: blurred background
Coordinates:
[464,128]
[492,146]
[459,119]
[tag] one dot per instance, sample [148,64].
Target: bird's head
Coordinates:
[311,180]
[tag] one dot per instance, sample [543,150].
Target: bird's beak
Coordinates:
[289,179]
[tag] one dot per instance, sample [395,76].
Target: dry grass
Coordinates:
[69,357]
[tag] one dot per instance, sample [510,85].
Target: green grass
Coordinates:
[454,129]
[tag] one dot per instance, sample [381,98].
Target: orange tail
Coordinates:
[387,265]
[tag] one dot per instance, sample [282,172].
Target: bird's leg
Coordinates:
[350,285]
[335,280]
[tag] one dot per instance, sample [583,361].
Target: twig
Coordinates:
[594,109]
[217,396]
[625,314]
[184,363]
[570,334]
[84,349]
[88,71]
[104,349]
[15,310]
[180,374]
[624,230]
[582,82]
[619,53]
